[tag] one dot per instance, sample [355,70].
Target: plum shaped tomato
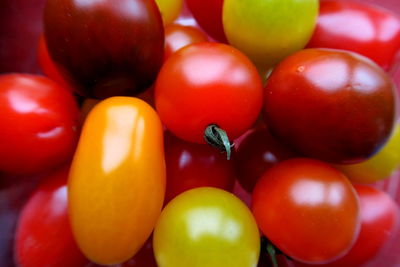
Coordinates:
[206,227]
[332,105]
[43,235]
[208,85]
[368,30]
[105,48]
[308,209]
[378,167]
[39,124]
[117,180]
[268,31]
[169,9]
[192,165]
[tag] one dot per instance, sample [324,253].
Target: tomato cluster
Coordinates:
[241,138]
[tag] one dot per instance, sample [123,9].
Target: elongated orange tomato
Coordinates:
[117,180]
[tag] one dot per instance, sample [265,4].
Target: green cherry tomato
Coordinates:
[206,227]
[268,31]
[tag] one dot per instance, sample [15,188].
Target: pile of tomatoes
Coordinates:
[238,133]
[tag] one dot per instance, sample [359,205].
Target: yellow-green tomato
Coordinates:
[380,166]
[269,30]
[206,227]
[117,180]
[169,9]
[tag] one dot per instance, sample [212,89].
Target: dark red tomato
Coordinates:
[255,153]
[307,209]
[368,30]
[192,165]
[39,124]
[204,84]
[47,65]
[379,221]
[208,14]
[178,36]
[332,105]
[43,235]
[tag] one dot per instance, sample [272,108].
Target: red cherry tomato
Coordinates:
[43,235]
[195,165]
[204,84]
[255,153]
[178,36]
[307,209]
[359,27]
[208,14]
[39,124]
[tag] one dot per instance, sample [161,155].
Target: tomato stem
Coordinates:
[218,138]
[272,254]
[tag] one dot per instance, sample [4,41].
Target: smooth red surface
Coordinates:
[39,124]
[43,234]
[101,61]
[208,83]
[192,165]
[329,104]
[371,31]
[307,209]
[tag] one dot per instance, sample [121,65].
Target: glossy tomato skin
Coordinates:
[206,227]
[330,104]
[192,165]
[43,236]
[301,203]
[117,180]
[358,27]
[39,128]
[98,59]
[208,83]
[178,36]
[255,153]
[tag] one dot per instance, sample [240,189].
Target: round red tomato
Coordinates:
[39,124]
[192,165]
[43,235]
[205,84]
[359,27]
[307,209]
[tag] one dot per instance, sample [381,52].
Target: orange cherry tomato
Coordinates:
[117,180]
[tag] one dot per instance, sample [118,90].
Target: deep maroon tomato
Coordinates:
[106,48]
[43,235]
[368,30]
[329,104]
[39,124]
[379,222]
[255,153]
[208,14]
[192,165]
[178,36]
[204,84]
[307,209]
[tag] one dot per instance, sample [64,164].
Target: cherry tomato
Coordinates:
[117,180]
[169,10]
[268,31]
[43,236]
[368,30]
[204,84]
[307,209]
[178,36]
[206,227]
[255,153]
[332,105]
[208,14]
[39,124]
[195,165]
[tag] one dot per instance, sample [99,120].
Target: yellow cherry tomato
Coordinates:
[380,166]
[170,10]
[206,227]
[117,180]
